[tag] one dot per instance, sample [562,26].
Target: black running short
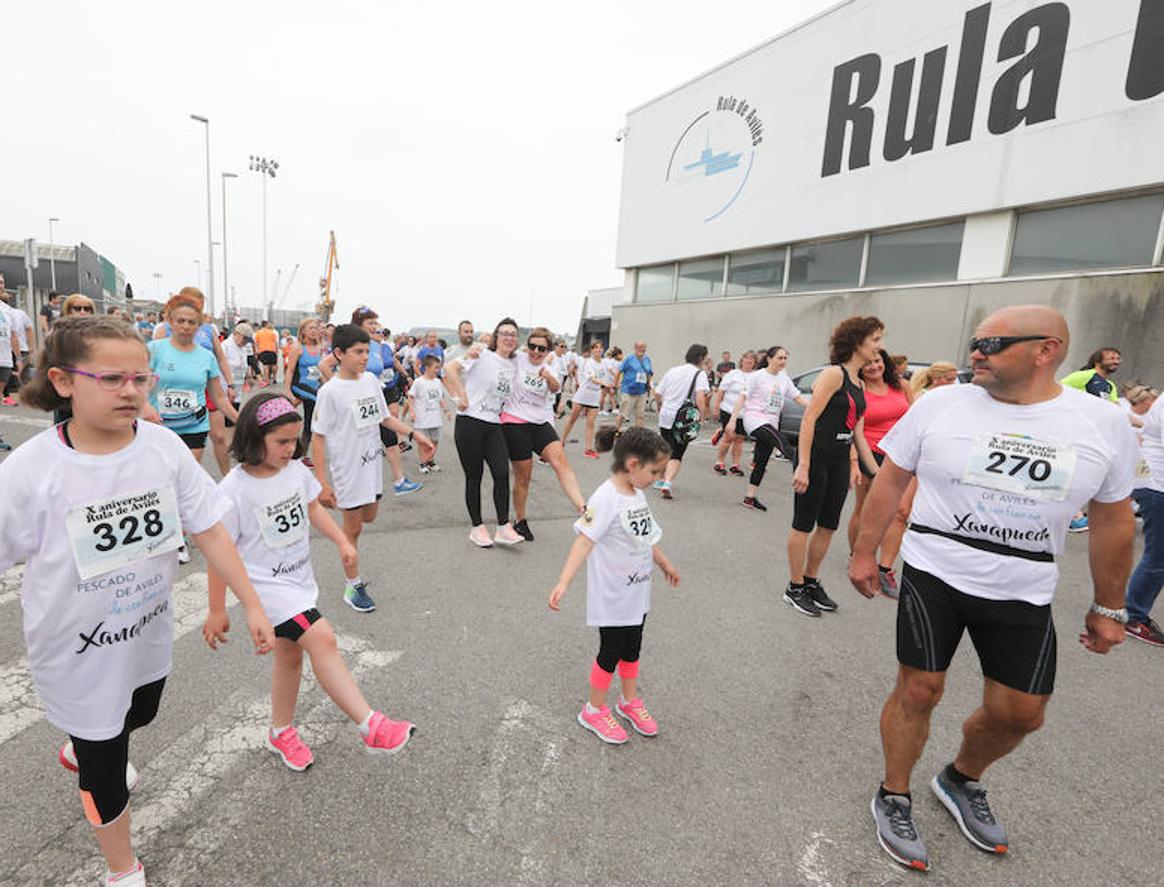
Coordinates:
[725,417]
[1015,640]
[388,437]
[523,439]
[295,627]
[195,441]
[268,358]
[677,444]
[828,485]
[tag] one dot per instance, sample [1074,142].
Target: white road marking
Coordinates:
[26,420]
[811,864]
[198,763]
[20,706]
[507,815]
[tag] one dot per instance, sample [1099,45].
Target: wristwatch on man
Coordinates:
[1120,615]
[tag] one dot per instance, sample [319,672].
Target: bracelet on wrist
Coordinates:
[1120,615]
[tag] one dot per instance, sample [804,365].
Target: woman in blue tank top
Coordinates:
[303,372]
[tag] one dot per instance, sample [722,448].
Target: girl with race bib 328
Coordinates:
[95,508]
[618,541]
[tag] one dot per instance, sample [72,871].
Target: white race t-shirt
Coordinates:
[427,395]
[673,387]
[1152,445]
[766,395]
[732,385]
[348,412]
[591,373]
[116,520]
[618,570]
[488,381]
[21,325]
[1008,474]
[267,520]
[7,328]
[610,369]
[236,359]
[530,399]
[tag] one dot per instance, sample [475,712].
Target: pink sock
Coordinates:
[628,671]
[600,678]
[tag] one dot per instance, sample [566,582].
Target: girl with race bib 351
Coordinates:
[95,508]
[273,499]
[618,542]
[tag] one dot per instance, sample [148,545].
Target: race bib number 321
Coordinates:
[1016,463]
[113,533]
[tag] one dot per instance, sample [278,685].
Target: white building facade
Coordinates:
[923,161]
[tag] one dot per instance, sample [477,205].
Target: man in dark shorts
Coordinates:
[1001,466]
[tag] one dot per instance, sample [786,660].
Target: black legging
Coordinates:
[305,434]
[767,439]
[620,643]
[479,442]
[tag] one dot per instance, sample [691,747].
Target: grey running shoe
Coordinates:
[800,600]
[896,832]
[967,804]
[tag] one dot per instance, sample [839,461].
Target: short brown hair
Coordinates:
[183,299]
[849,334]
[67,345]
[540,332]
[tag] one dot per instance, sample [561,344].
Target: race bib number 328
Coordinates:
[113,533]
[1016,463]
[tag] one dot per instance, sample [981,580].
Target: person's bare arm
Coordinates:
[579,551]
[1111,536]
[880,507]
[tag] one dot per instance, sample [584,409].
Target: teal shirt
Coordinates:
[180,395]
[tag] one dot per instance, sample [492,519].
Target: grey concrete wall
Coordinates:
[927,323]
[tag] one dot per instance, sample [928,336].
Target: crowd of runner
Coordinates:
[974,486]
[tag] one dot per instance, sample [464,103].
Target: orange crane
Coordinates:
[326,304]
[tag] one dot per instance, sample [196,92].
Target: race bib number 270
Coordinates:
[113,533]
[1016,463]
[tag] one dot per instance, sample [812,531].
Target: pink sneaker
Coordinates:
[479,536]
[9,402]
[507,535]
[603,725]
[386,736]
[638,716]
[291,749]
[68,758]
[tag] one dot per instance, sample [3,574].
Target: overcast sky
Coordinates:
[463,152]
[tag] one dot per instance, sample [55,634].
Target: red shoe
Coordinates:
[718,468]
[715,437]
[1148,632]
[590,454]
[9,402]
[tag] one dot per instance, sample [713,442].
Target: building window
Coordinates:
[758,272]
[832,265]
[1108,234]
[656,284]
[701,279]
[914,256]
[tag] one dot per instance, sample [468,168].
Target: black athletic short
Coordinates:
[388,437]
[195,441]
[725,417]
[270,358]
[677,444]
[523,439]
[828,485]
[1015,640]
[294,628]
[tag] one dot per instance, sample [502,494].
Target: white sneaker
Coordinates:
[135,877]
[507,535]
[183,555]
[68,758]
[479,536]
[423,469]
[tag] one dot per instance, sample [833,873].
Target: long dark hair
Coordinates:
[247,445]
[889,374]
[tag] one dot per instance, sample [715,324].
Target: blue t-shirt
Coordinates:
[635,374]
[180,395]
[425,351]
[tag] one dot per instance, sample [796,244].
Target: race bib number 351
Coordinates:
[1016,463]
[284,522]
[113,533]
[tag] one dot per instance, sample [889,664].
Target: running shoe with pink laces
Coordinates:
[386,736]
[135,877]
[603,725]
[636,713]
[291,749]
[68,758]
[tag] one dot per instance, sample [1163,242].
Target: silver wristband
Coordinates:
[1120,615]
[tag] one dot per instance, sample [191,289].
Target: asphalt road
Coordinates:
[768,754]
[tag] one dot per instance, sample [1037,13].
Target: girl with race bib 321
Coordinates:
[618,542]
[95,508]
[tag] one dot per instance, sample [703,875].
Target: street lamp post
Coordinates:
[265,167]
[157,286]
[52,261]
[209,225]
[198,272]
[225,277]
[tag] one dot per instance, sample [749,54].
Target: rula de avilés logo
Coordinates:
[715,154]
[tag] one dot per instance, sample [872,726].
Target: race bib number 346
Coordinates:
[113,533]
[1015,463]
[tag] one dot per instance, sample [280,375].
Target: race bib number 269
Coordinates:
[1016,463]
[113,533]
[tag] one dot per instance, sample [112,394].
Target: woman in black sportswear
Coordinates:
[832,439]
